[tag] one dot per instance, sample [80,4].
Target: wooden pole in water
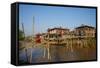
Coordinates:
[24,43]
[48,48]
[26,55]
[23,30]
[30,56]
[44,53]
[33,32]
[48,51]
[31,51]
[71,43]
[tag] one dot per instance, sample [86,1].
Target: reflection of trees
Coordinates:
[91,42]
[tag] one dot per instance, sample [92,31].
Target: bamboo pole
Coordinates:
[24,42]
[23,30]
[71,43]
[48,48]
[33,32]
[30,59]
[31,51]
[44,53]
[26,55]
[48,52]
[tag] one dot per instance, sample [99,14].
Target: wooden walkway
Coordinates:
[66,40]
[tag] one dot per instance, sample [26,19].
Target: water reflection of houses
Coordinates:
[61,35]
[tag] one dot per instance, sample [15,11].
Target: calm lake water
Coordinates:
[57,53]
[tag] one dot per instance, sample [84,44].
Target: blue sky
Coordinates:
[49,17]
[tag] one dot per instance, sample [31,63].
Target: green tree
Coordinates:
[21,35]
